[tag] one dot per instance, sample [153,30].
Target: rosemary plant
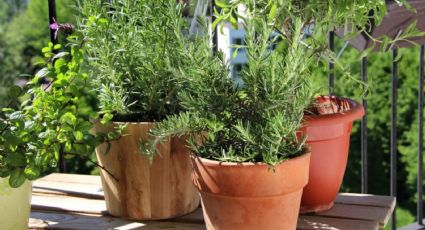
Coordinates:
[256,122]
[260,120]
[137,49]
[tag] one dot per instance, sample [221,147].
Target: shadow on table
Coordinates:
[46,220]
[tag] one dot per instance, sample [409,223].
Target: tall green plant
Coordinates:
[137,48]
[255,122]
[259,121]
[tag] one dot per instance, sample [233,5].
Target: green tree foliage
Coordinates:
[24,29]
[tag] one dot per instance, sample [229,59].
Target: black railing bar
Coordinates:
[393,189]
[341,51]
[331,63]
[214,31]
[364,168]
[52,19]
[54,39]
[420,135]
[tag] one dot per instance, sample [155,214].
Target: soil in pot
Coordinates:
[245,196]
[15,205]
[328,136]
[160,190]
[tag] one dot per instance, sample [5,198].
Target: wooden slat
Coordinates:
[315,222]
[44,220]
[81,194]
[359,212]
[366,199]
[71,178]
[72,185]
[67,204]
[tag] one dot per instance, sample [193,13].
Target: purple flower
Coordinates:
[67,28]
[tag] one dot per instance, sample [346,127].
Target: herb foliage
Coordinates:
[43,121]
[260,120]
[255,122]
[136,49]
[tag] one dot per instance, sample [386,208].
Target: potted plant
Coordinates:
[329,120]
[329,146]
[248,162]
[41,122]
[137,50]
[327,127]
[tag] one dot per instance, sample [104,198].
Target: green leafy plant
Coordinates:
[43,121]
[137,49]
[255,122]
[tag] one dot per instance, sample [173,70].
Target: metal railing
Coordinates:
[393,145]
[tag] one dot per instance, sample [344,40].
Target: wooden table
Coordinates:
[66,201]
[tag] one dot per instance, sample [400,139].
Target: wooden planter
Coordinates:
[160,190]
[15,205]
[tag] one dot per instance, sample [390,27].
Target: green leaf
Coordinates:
[78,135]
[106,118]
[272,13]
[69,118]
[221,4]
[60,55]
[84,126]
[102,21]
[16,115]
[235,53]
[57,46]
[15,91]
[234,22]
[17,178]
[16,159]
[11,140]
[42,73]
[32,172]
[46,50]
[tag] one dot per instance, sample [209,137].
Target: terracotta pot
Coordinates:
[160,190]
[249,196]
[328,136]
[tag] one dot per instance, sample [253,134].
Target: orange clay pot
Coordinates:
[245,196]
[328,136]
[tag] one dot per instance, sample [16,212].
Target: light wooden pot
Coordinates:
[15,205]
[160,190]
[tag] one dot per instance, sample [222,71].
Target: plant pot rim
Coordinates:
[134,122]
[215,163]
[356,112]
